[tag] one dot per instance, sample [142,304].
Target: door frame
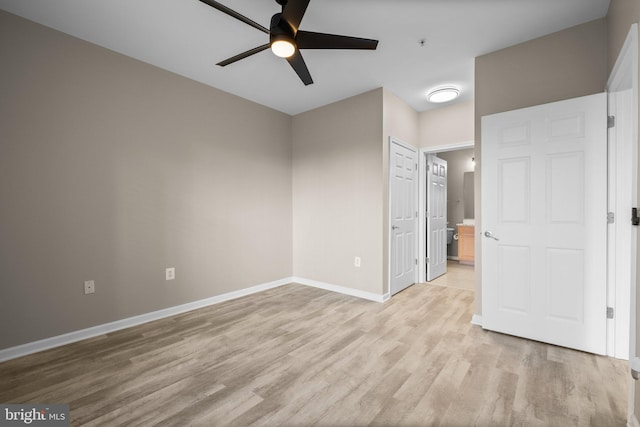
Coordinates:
[627,62]
[422,200]
[394,140]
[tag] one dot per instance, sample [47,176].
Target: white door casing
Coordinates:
[403,161]
[423,155]
[436,217]
[620,231]
[623,103]
[544,216]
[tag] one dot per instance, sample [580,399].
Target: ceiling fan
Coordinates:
[285,40]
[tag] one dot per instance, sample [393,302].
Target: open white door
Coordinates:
[403,171]
[544,219]
[436,217]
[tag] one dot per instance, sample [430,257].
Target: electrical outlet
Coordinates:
[89,287]
[356,262]
[170,273]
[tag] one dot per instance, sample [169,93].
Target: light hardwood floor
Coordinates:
[458,275]
[299,356]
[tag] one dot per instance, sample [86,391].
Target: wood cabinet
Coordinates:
[466,244]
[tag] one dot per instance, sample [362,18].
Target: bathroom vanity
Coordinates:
[466,244]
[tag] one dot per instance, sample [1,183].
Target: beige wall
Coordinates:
[112,170]
[622,14]
[400,121]
[338,193]
[446,125]
[563,65]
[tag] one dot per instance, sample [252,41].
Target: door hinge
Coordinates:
[611,217]
[611,121]
[634,217]
[427,168]
[416,261]
[416,166]
[609,312]
[428,260]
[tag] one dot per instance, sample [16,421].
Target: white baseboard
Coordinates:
[633,421]
[477,320]
[71,337]
[57,341]
[342,290]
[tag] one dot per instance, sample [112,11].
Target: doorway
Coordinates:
[459,217]
[544,228]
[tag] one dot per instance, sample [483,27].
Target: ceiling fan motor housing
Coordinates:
[280,30]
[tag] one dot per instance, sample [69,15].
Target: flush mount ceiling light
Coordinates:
[443,94]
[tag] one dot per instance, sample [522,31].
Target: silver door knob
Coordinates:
[490,235]
[394,227]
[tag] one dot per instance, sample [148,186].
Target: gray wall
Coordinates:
[112,170]
[622,14]
[338,193]
[563,65]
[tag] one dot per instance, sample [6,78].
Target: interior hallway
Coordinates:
[458,276]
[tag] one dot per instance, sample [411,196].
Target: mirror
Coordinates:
[468,195]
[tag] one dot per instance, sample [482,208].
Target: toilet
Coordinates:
[450,235]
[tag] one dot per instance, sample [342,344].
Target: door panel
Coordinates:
[514,279]
[436,217]
[564,284]
[404,220]
[514,192]
[544,200]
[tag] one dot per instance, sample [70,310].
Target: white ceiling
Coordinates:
[189,38]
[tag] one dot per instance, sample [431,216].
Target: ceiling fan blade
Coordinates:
[299,66]
[310,40]
[224,9]
[243,55]
[293,12]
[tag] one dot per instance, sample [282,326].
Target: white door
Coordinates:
[403,194]
[544,221]
[436,217]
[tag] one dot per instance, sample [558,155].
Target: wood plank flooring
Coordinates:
[458,275]
[300,356]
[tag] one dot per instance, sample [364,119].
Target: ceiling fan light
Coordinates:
[283,48]
[443,94]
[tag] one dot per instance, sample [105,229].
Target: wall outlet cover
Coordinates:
[89,287]
[170,273]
